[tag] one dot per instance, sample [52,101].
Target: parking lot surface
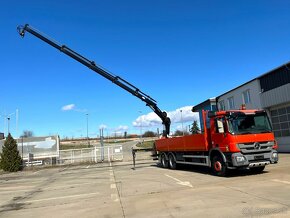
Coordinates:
[116,190]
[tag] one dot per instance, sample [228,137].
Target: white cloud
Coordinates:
[121,128]
[103,126]
[147,120]
[72,107]
[183,114]
[68,107]
[176,116]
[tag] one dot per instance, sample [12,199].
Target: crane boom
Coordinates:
[92,65]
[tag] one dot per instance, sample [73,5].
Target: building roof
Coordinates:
[206,102]
[269,72]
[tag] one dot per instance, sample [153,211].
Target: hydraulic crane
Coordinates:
[92,65]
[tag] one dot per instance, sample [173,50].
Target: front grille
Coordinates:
[255,147]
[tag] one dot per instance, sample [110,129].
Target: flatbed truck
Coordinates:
[235,139]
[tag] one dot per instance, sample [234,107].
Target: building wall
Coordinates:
[237,94]
[276,96]
[280,118]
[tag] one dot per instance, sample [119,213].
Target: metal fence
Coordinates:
[95,155]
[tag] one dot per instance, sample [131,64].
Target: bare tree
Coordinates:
[27,134]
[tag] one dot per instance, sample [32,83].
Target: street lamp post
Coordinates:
[141,126]
[88,129]
[8,119]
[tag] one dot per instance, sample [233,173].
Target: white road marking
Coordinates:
[88,166]
[113,186]
[36,171]
[114,197]
[179,182]
[65,168]
[63,197]
[111,174]
[21,187]
[281,181]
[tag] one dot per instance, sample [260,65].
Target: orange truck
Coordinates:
[235,139]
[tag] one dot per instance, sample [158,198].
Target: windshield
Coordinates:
[240,123]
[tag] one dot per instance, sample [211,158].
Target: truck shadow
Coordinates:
[207,171]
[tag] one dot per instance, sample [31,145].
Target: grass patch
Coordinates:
[73,146]
[146,144]
[116,141]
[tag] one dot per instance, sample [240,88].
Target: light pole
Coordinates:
[141,126]
[8,119]
[87,115]
[181,122]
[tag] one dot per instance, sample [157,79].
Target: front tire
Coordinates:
[218,166]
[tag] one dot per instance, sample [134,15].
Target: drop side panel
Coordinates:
[185,143]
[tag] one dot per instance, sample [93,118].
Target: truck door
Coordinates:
[219,133]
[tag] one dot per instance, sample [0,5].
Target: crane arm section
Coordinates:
[91,64]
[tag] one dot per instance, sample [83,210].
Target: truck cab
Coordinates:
[244,137]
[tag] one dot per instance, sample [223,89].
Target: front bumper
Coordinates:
[254,160]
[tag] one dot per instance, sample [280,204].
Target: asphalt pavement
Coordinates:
[117,190]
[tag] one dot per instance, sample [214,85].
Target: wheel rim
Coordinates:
[217,166]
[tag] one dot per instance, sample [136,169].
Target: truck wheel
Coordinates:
[164,161]
[172,162]
[218,166]
[257,170]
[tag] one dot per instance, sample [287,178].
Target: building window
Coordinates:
[281,121]
[231,103]
[246,97]
[222,105]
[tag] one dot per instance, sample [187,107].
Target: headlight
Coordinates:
[240,159]
[275,155]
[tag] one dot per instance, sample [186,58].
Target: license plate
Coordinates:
[259,157]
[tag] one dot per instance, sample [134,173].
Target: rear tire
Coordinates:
[164,161]
[172,162]
[218,166]
[257,170]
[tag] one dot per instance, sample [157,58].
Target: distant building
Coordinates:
[1,135]
[209,104]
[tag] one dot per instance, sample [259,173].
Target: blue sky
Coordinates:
[179,52]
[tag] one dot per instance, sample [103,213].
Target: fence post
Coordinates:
[95,154]
[71,156]
[109,154]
